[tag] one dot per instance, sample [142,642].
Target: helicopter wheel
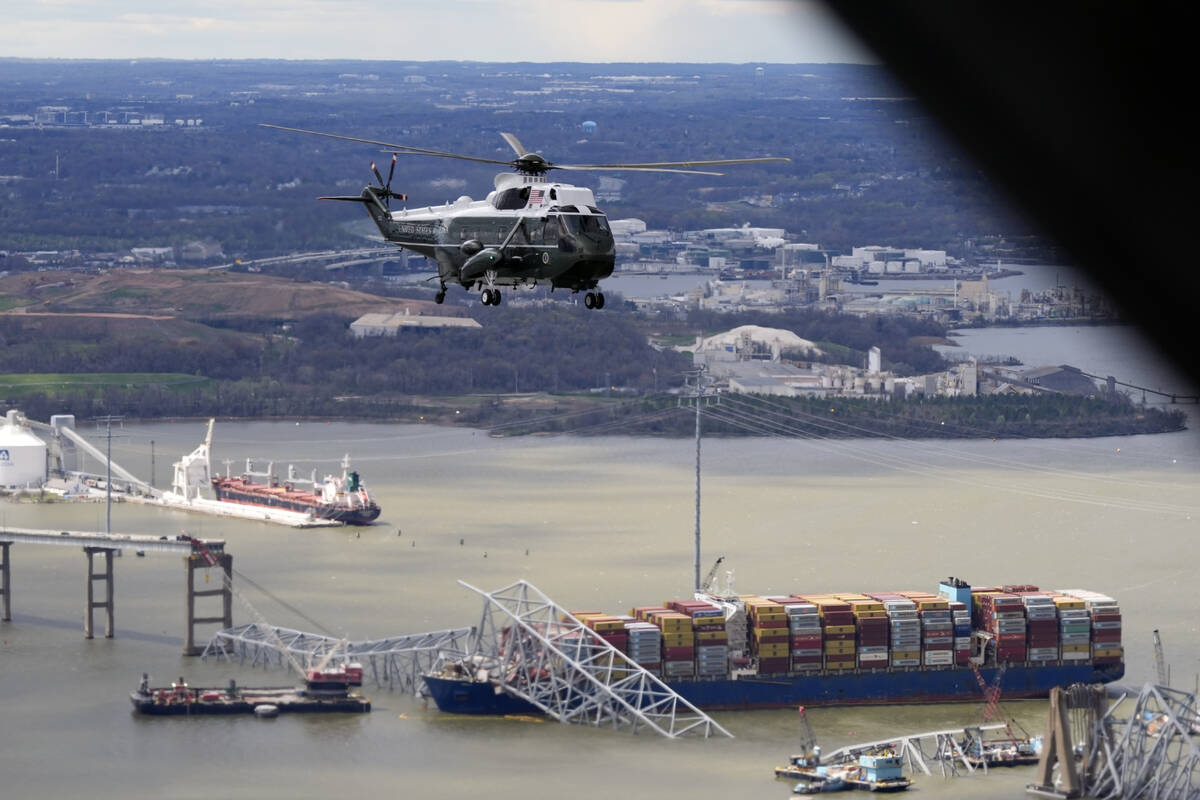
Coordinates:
[486,297]
[495,297]
[589,300]
[440,297]
[599,300]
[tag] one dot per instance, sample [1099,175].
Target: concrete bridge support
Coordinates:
[224,590]
[107,602]
[5,583]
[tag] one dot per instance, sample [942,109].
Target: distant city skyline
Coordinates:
[736,31]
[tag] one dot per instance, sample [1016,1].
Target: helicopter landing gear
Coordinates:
[440,297]
[490,295]
[593,300]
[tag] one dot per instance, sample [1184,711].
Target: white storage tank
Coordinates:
[22,455]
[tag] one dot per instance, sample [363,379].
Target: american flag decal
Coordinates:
[535,197]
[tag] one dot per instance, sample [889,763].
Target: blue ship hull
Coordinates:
[877,687]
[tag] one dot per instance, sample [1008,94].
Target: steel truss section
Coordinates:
[944,747]
[397,662]
[545,656]
[1151,754]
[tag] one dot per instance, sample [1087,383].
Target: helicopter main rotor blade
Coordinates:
[616,168]
[515,144]
[661,165]
[391,146]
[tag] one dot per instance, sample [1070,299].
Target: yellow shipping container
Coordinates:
[1068,602]
[839,665]
[869,614]
[705,636]
[839,647]
[933,605]
[906,654]
[761,632]
[1076,648]
[1108,651]
[839,629]
[678,638]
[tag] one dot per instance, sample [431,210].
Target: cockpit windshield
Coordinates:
[511,199]
[585,224]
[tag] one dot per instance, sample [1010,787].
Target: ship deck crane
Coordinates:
[706,585]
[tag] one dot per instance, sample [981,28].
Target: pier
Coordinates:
[197,554]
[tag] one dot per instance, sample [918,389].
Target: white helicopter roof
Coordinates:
[543,196]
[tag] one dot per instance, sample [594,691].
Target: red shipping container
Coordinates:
[773,664]
[807,640]
[839,637]
[679,653]
[770,624]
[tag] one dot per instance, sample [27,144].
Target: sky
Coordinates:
[736,31]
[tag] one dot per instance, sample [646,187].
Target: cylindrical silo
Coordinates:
[22,455]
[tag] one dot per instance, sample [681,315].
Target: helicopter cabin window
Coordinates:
[550,230]
[511,199]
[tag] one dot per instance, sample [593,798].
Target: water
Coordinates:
[607,523]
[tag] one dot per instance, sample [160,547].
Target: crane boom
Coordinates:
[1160,663]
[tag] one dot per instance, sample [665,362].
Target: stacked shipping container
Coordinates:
[798,633]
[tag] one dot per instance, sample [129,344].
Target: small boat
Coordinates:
[820,787]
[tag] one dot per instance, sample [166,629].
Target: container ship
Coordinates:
[325,690]
[962,644]
[340,499]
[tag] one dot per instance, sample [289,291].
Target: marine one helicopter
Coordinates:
[529,230]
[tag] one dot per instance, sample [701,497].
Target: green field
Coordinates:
[50,382]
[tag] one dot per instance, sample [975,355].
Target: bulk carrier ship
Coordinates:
[297,502]
[745,652]
[342,499]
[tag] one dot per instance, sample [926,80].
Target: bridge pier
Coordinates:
[107,603]
[5,583]
[224,562]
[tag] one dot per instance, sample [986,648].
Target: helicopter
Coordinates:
[529,230]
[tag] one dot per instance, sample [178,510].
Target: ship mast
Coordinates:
[699,377]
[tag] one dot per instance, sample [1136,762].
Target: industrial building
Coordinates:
[394,324]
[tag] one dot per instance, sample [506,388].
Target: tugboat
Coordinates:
[876,771]
[327,689]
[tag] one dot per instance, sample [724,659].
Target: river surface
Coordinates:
[598,523]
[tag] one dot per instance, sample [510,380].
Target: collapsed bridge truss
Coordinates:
[545,656]
[397,662]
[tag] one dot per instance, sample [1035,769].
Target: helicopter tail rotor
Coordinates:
[385,187]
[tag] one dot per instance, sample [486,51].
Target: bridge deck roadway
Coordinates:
[113,541]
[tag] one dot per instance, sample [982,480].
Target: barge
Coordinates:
[325,690]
